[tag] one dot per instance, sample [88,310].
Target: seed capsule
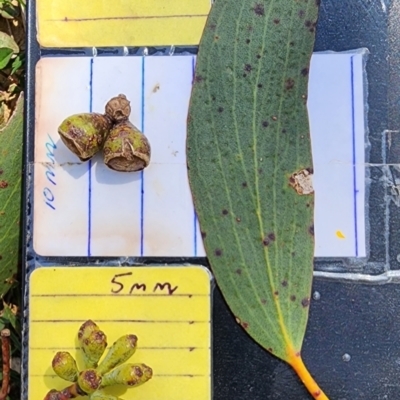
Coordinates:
[118,108]
[120,352]
[128,374]
[65,367]
[126,148]
[84,134]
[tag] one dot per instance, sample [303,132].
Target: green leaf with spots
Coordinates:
[250,166]
[11,141]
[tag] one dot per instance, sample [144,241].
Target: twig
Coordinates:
[5,352]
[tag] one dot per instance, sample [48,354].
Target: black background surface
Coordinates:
[360,320]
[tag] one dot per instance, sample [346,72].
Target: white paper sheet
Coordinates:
[89,210]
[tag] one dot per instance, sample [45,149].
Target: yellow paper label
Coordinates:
[77,23]
[167,308]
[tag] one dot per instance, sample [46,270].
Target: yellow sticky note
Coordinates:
[77,23]
[167,308]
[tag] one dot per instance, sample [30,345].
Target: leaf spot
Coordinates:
[248,67]
[238,219]
[311,230]
[305,302]
[284,283]
[265,124]
[244,184]
[276,293]
[317,393]
[258,56]
[271,236]
[198,78]
[274,118]
[305,71]
[265,242]
[239,271]
[302,182]
[3,184]
[225,212]
[220,109]
[263,301]
[259,9]
[277,21]
[289,84]
[292,297]
[218,252]
[270,349]
[203,235]
[301,13]
[1,171]
[260,85]
[247,41]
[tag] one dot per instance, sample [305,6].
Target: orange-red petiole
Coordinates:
[297,364]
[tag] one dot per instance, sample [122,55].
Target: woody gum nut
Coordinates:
[129,374]
[93,348]
[120,352]
[118,108]
[89,381]
[84,134]
[65,367]
[126,148]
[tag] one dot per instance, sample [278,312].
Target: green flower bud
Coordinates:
[99,395]
[84,134]
[89,381]
[118,108]
[126,148]
[120,352]
[93,348]
[65,367]
[93,342]
[128,374]
[86,329]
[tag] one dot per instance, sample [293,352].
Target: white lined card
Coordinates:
[87,209]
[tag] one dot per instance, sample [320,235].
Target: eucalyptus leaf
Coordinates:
[250,166]
[10,196]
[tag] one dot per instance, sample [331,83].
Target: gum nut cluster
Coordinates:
[98,375]
[124,147]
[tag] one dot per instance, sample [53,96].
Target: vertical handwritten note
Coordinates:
[167,308]
[99,23]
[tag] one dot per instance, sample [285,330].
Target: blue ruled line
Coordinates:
[194,211]
[355,191]
[89,240]
[142,173]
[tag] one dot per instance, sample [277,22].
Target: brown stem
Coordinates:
[5,352]
[71,392]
